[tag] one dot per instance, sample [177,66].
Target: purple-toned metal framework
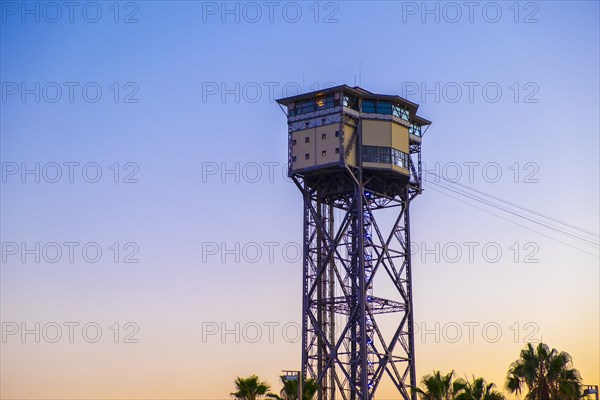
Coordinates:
[357,232]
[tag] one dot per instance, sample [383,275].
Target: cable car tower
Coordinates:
[356,158]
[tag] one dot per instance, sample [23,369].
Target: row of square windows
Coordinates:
[374,154]
[323,154]
[323,137]
[323,122]
[415,130]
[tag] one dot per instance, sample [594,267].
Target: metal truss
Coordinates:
[356,237]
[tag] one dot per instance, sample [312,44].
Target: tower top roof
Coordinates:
[358,92]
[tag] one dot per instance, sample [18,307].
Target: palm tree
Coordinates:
[290,390]
[478,389]
[250,388]
[548,374]
[438,387]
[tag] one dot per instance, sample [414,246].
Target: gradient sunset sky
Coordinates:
[173,104]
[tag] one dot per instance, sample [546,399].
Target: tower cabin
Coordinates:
[332,129]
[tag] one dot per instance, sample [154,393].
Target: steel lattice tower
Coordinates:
[356,158]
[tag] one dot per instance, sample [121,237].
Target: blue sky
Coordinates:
[167,130]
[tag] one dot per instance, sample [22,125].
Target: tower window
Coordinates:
[294,159]
[386,155]
[324,153]
[337,133]
[307,139]
[323,136]
[307,156]
[337,150]
[368,106]
[294,142]
[414,129]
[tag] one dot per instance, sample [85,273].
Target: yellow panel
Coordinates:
[377,133]
[302,148]
[400,138]
[377,165]
[326,143]
[400,169]
[390,167]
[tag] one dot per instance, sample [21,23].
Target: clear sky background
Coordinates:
[187,94]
